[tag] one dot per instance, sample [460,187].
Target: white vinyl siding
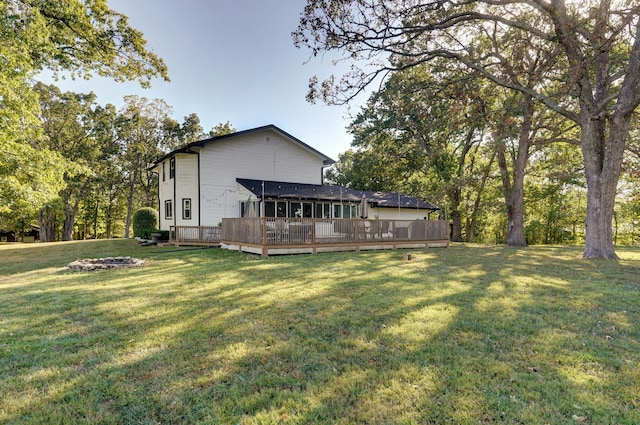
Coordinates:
[265,155]
[165,192]
[186,183]
[183,185]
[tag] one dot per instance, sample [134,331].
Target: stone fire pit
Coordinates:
[107,263]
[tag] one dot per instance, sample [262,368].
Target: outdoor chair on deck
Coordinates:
[381,229]
[364,230]
[277,231]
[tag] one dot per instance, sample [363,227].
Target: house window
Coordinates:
[350,211]
[345,211]
[323,210]
[163,171]
[301,209]
[275,209]
[250,209]
[172,168]
[337,210]
[186,208]
[168,209]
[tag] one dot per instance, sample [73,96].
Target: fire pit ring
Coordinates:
[107,263]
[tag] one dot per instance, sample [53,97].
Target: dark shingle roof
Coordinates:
[317,192]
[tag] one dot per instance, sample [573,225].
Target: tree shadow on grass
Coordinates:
[455,336]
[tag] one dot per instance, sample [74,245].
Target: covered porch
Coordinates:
[275,235]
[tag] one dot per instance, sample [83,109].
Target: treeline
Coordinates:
[486,156]
[482,86]
[103,155]
[77,168]
[64,159]
[518,118]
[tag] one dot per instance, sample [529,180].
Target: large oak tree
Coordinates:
[68,126]
[595,83]
[81,37]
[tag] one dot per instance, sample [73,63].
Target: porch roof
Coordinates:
[317,192]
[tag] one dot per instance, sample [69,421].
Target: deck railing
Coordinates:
[195,235]
[270,233]
[303,231]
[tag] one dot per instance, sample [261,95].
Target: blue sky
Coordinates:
[231,60]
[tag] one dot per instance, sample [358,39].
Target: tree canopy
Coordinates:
[76,36]
[593,48]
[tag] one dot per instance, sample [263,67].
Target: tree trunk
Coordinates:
[109,220]
[472,225]
[456,216]
[132,186]
[604,135]
[95,224]
[456,198]
[69,221]
[514,192]
[95,221]
[599,232]
[603,165]
[514,201]
[515,219]
[47,222]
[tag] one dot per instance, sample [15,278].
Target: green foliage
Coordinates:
[19,111]
[370,169]
[70,128]
[145,222]
[222,129]
[177,135]
[80,37]
[103,204]
[75,36]
[423,133]
[30,177]
[587,81]
[140,130]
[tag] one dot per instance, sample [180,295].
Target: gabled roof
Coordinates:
[200,143]
[317,192]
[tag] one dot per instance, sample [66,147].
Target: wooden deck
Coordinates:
[270,236]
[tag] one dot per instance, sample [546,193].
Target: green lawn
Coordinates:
[463,335]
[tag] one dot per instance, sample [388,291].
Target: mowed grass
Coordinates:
[463,335]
